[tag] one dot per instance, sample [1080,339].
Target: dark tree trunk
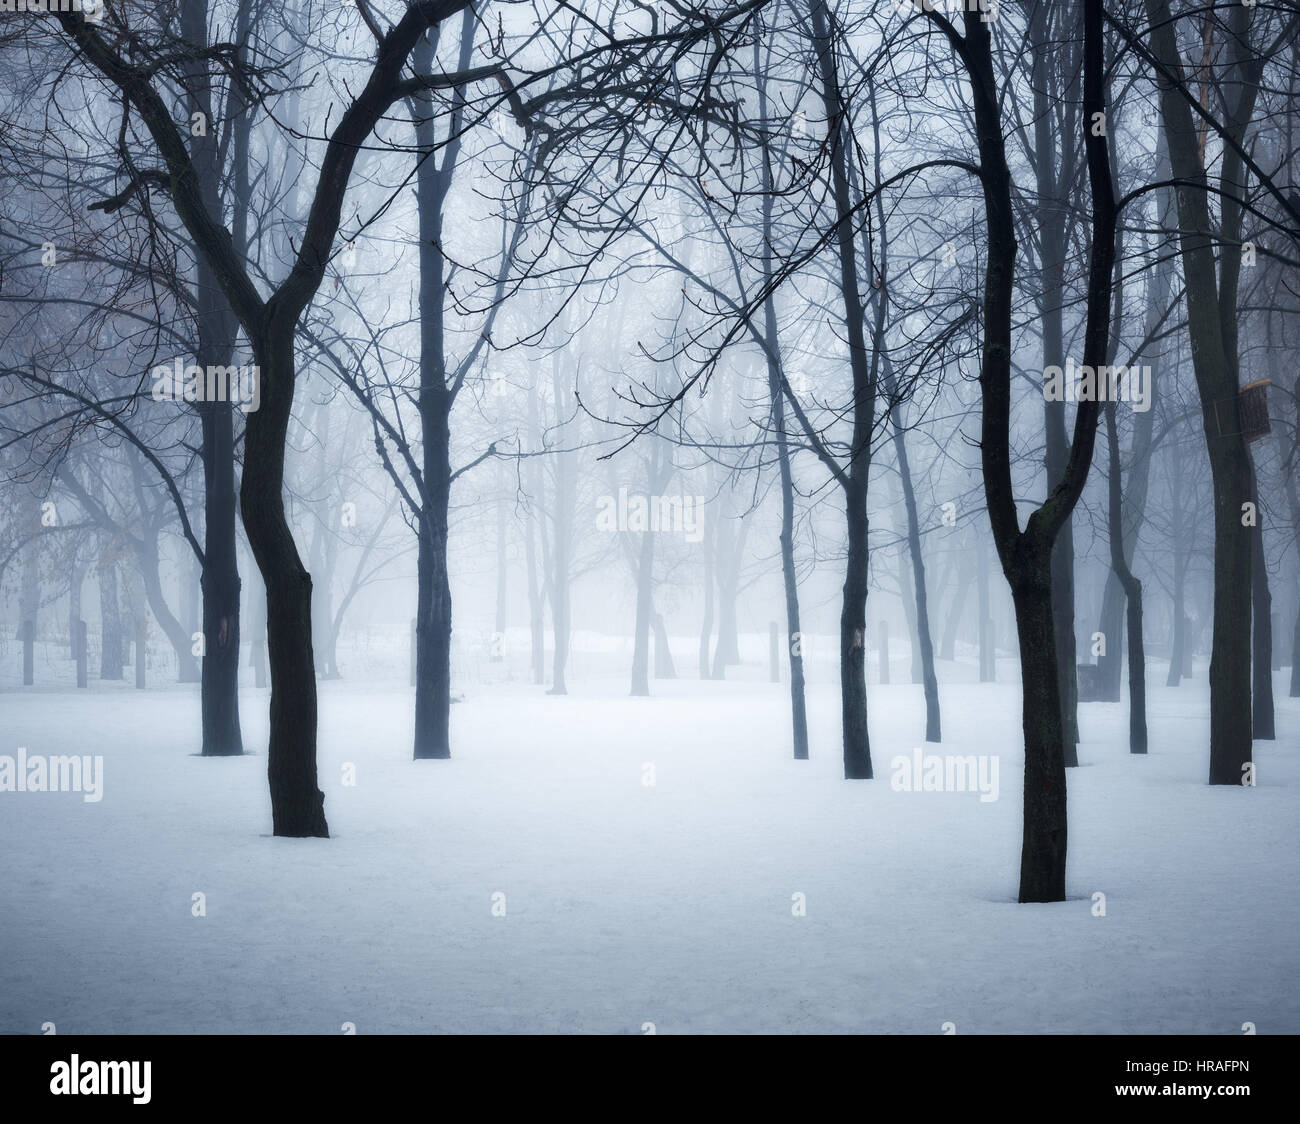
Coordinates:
[1137,698]
[1137,683]
[218,330]
[433,609]
[297,803]
[1026,556]
[436,398]
[932,724]
[789,576]
[221,588]
[1055,128]
[853,639]
[775,376]
[1043,845]
[1230,676]
[853,613]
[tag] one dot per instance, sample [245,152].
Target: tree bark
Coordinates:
[789,575]
[218,330]
[1044,840]
[933,731]
[1026,555]
[1056,177]
[853,612]
[297,803]
[1230,675]
[1137,698]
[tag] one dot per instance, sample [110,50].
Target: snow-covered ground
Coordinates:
[628,903]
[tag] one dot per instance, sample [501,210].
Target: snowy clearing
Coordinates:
[628,903]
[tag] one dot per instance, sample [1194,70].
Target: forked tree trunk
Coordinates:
[1057,164]
[1026,555]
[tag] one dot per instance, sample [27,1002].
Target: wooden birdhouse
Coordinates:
[1246,414]
[1252,407]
